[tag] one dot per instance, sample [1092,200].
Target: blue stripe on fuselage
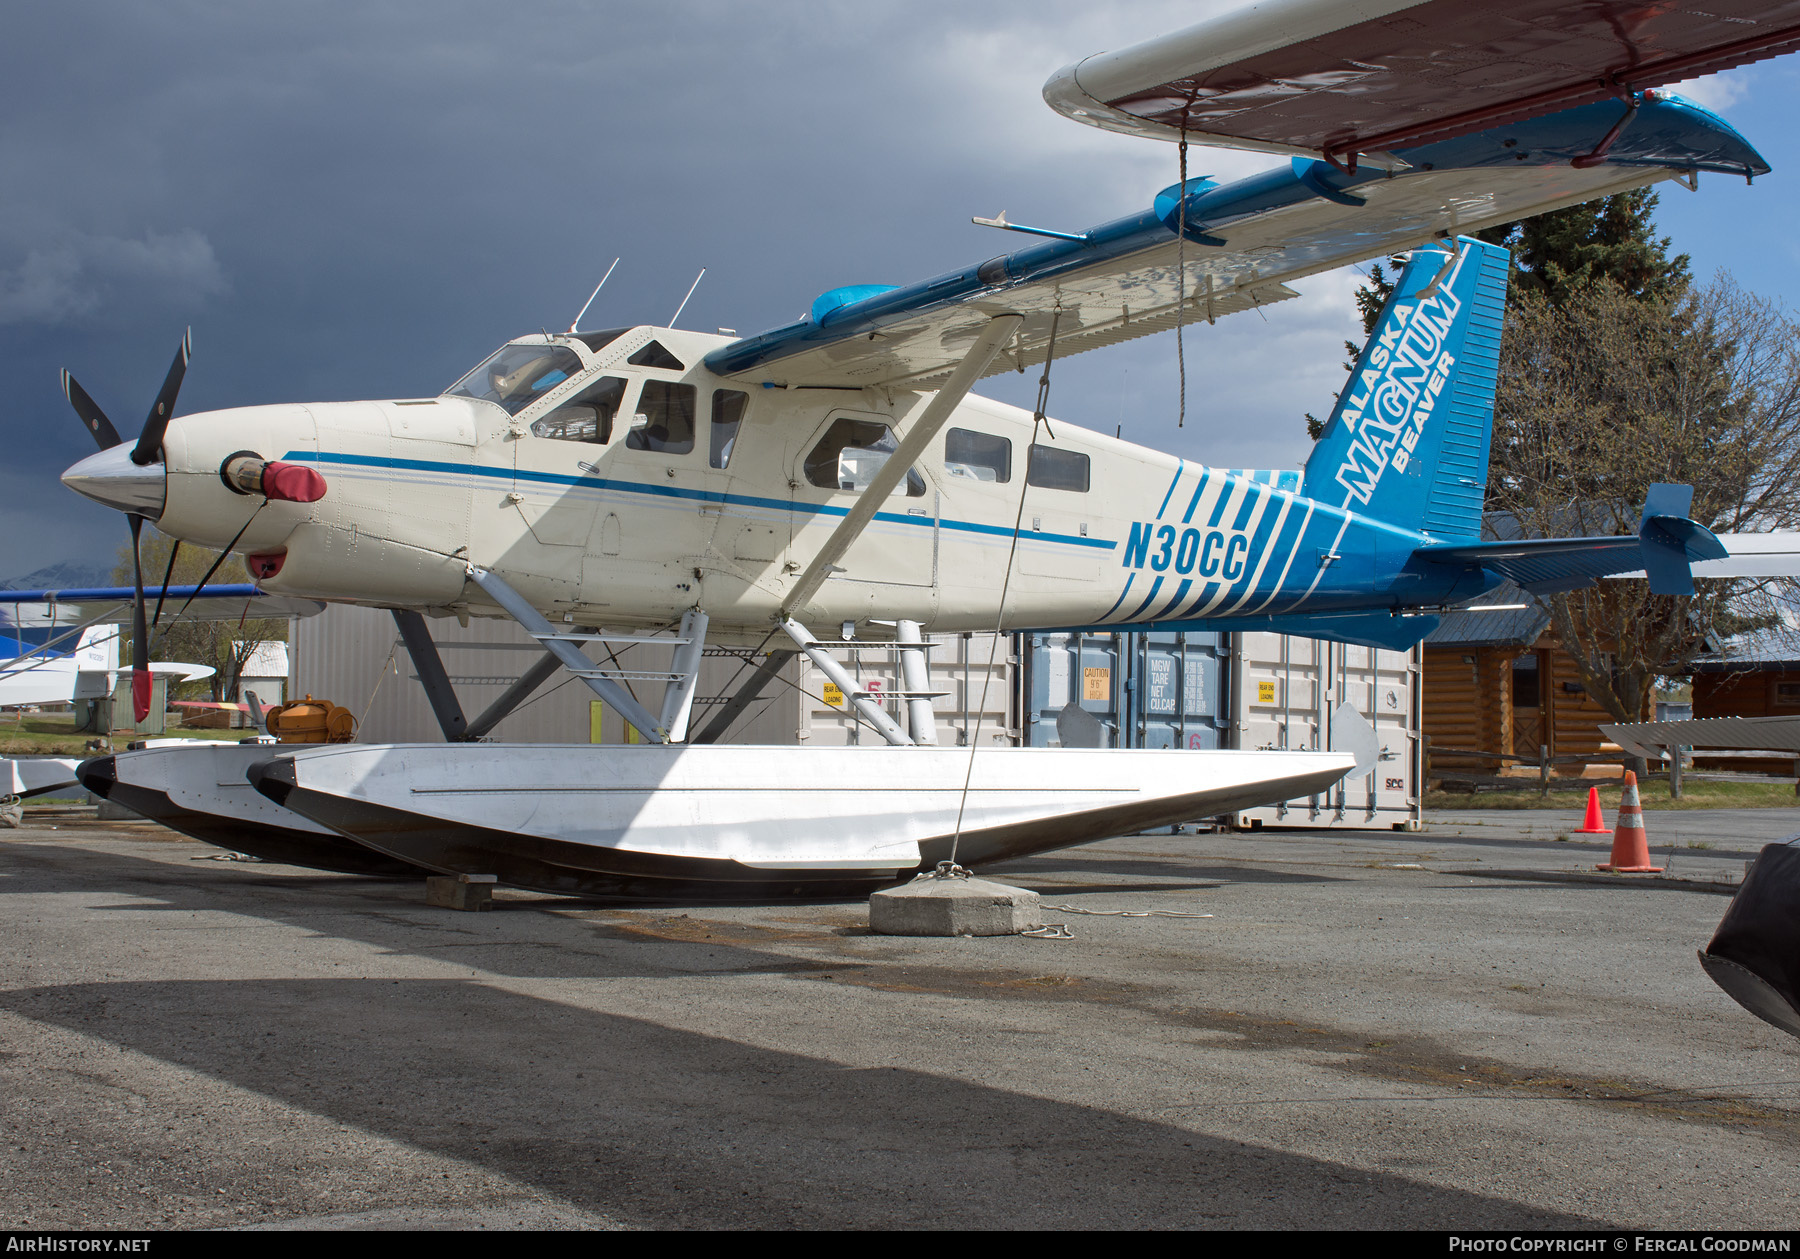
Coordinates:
[512,475]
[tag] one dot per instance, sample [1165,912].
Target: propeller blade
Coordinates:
[91,415]
[140,630]
[149,447]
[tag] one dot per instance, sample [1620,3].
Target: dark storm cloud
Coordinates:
[359,200]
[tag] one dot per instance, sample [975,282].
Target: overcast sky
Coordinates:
[351,200]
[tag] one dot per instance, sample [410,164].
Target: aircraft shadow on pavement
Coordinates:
[518,939]
[661,1126]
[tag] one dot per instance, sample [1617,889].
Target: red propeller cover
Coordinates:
[292,483]
[140,694]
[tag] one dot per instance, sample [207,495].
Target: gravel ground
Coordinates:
[1371,1030]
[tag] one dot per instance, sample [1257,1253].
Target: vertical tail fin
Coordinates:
[1407,442]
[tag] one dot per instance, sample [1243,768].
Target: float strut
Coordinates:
[563,648]
[512,697]
[915,678]
[872,712]
[430,667]
[678,694]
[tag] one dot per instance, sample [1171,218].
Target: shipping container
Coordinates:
[1148,690]
[1300,694]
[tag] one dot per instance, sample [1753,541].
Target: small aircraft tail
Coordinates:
[1407,442]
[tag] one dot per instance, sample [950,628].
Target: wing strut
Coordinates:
[993,338]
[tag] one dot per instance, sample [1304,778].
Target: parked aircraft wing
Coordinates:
[26,609]
[1375,76]
[1245,242]
[1750,555]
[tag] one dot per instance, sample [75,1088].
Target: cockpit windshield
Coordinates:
[515,376]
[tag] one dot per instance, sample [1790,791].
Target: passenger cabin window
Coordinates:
[977,456]
[1054,469]
[654,355]
[587,417]
[850,454]
[666,411]
[515,376]
[727,414]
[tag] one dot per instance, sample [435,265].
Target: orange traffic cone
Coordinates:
[1631,845]
[1593,824]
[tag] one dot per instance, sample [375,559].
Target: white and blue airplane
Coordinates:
[652,482]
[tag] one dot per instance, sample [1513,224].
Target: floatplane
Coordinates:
[649,483]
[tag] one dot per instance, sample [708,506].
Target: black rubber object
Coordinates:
[1755,954]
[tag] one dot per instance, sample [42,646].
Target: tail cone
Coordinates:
[1631,844]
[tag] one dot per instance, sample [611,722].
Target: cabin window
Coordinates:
[587,417]
[515,376]
[665,418]
[1787,694]
[850,454]
[727,413]
[1053,469]
[977,456]
[654,355]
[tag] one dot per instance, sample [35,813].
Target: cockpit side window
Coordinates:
[667,410]
[850,454]
[515,376]
[587,417]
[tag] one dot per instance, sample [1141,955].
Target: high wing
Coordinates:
[1341,79]
[1245,242]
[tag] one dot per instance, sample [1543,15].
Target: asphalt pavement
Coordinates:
[1452,1029]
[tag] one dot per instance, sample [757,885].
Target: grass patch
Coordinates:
[1695,794]
[54,734]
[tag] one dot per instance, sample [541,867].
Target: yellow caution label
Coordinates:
[1096,684]
[596,721]
[1265,692]
[833,695]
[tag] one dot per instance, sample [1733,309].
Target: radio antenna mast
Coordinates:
[690,293]
[591,296]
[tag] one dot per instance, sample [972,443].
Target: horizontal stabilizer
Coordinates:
[1666,547]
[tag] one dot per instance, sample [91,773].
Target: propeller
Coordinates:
[147,451]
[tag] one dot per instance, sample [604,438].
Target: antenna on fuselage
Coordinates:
[690,293]
[575,326]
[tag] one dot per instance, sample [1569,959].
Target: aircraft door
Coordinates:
[830,469]
[559,505]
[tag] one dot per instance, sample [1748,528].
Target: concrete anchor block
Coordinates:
[954,904]
[460,891]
